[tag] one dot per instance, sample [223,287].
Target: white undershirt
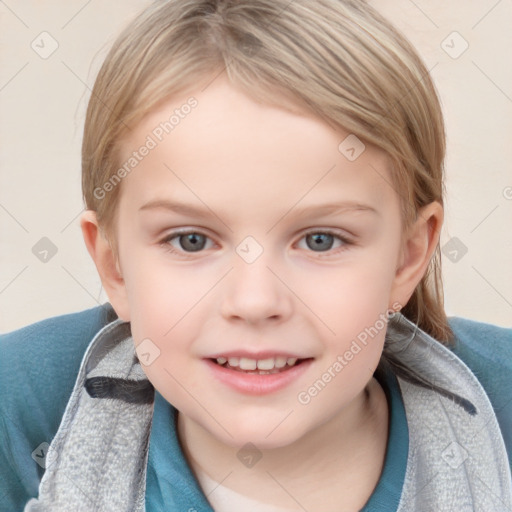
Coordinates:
[224,499]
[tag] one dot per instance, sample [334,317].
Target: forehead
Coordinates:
[219,143]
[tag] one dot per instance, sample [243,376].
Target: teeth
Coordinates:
[280,362]
[245,363]
[266,364]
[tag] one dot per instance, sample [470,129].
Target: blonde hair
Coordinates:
[340,59]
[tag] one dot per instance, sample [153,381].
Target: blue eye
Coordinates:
[190,241]
[193,241]
[320,242]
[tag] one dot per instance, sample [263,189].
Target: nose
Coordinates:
[255,293]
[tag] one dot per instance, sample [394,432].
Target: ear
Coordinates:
[107,264]
[418,246]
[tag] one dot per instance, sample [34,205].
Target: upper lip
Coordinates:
[261,354]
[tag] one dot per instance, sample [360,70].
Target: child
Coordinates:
[240,364]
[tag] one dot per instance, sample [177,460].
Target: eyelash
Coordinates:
[188,255]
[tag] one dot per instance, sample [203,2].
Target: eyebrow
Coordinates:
[320,209]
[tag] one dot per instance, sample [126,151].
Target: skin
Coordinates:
[254,166]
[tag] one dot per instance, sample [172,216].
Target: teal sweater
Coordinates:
[38,369]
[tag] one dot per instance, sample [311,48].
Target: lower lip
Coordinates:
[256,384]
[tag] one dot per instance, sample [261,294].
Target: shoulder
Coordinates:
[481,336]
[39,364]
[49,352]
[487,350]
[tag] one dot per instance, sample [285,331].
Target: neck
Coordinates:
[340,460]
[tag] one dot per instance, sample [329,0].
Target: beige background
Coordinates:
[42,106]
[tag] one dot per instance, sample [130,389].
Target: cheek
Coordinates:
[166,309]
[160,295]
[354,313]
[350,297]
[169,340]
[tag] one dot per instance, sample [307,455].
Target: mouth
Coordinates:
[267,366]
[257,373]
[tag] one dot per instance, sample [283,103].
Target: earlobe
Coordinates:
[417,251]
[106,263]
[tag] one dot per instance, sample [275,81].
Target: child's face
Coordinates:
[252,170]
